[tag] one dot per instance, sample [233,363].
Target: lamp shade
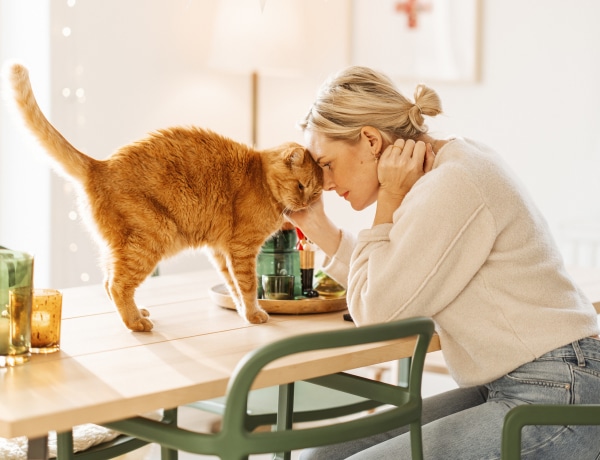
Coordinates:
[265,36]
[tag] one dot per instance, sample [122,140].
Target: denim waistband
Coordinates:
[579,350]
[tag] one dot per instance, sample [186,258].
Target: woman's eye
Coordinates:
[327,165]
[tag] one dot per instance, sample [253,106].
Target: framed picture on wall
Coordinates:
[417,39]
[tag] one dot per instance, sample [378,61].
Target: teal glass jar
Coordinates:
[279,256]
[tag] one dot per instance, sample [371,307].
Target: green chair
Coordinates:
[236,440]
[312,402]
[542,414]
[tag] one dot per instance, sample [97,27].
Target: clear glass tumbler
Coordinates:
[16,292]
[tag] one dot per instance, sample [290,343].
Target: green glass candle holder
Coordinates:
[16,294]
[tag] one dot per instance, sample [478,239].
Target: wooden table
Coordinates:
[104,372]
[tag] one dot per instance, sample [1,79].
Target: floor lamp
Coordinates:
[258,37]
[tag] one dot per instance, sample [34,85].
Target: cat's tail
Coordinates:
[73,162]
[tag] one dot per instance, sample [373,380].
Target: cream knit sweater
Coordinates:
[468,248]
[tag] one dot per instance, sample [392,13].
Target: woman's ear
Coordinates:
[374,138]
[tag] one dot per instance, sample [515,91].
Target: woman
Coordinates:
[455,237]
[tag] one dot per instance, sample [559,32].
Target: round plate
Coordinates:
[220,295]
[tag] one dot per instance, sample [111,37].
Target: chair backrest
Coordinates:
[237,441]
[542,414]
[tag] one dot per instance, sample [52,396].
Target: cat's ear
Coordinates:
[294,156]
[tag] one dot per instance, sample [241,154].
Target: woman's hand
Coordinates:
[400,166]
[304,218]
[318,228]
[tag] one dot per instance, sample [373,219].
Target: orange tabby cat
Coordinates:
[175,189]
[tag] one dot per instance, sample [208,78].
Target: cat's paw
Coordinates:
[257,317]
[145,313]
[142,324]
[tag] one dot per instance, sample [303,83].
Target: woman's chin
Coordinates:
[362,205]
[357,207]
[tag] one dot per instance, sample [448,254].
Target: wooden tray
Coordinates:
[220,295]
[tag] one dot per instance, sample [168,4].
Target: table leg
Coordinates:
[37,448]
[285,414]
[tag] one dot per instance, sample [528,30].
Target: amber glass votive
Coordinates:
[46,315]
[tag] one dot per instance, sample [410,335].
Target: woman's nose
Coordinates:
[328,183]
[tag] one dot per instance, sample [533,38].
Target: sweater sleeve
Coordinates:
[338,266]
[441,235]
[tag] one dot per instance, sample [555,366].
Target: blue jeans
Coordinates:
[466,423]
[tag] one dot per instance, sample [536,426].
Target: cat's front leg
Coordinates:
[250,309]
[242,268]
[242,297]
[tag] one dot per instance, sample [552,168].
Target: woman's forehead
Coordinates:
[315,144]
[319,142]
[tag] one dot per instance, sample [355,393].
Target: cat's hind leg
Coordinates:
[107,284]
[126,273]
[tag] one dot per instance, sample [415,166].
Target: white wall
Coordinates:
[143,65]
[25,222]
[538,102]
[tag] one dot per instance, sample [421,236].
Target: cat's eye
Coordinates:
[300,187]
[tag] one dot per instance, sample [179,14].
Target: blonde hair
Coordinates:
[359,96]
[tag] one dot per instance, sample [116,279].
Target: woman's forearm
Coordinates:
[386,206]
[318,228]
[325,234]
